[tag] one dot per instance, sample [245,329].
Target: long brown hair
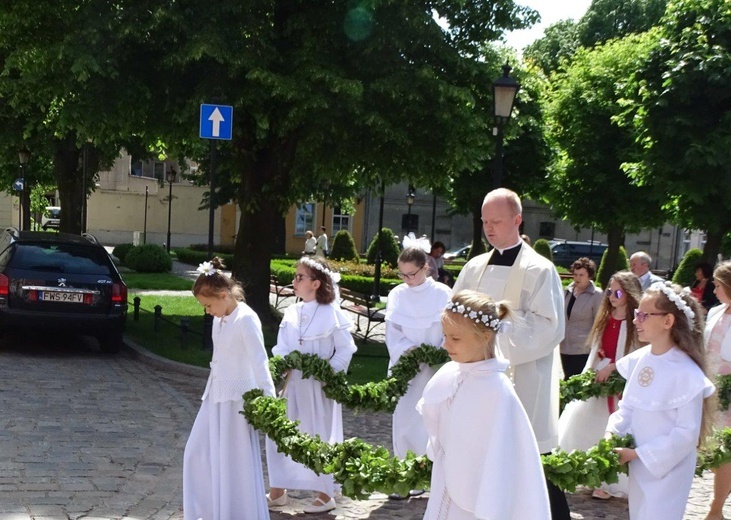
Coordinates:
[631,286]
[325,294]
[210,285]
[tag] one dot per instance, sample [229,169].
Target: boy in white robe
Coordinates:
[486,460]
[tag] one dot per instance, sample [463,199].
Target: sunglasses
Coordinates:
[617,294]
[642,316]
[300,277]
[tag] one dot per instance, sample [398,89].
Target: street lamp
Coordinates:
[170,176]
[410,196]
[504,90]
[23,158]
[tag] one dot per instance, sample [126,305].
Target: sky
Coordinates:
[551,11]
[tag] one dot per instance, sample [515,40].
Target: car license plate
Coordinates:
[52,296]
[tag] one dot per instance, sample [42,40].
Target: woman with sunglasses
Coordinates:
[582,423]
[413,317]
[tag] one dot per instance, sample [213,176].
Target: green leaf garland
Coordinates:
[585,386]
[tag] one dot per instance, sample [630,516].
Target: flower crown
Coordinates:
[207,269]
[335,277]
[418,243]
[488,320]
[667,290]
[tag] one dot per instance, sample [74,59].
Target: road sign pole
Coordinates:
[211,207]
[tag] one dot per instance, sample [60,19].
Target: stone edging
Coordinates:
[139,352]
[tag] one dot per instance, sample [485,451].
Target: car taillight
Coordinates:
[33,296]
[119,293]
[88,299]
[4,285]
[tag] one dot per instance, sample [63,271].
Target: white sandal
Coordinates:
[322,508]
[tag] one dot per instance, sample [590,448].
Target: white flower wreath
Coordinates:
[488,320]
[207,269]
[667,290]
[334,276]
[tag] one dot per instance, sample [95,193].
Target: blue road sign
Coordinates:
[216,122]
[19,184]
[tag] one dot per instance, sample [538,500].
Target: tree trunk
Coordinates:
[712,247]
[477,246]
[615,236]
[66,167]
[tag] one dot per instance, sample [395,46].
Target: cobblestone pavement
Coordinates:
[89,436]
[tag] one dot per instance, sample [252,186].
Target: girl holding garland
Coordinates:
[413,317]
[486,459]
[222,471]
[582,423]
[664,403]
[315,325]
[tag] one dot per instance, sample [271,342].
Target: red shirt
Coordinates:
[610,338]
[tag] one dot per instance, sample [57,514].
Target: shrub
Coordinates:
[621,265]
[219,248]
[149,258]
[685,273]
[192,257]
[343,247]
[121,251]
[543,248]
[355,277]
[389,252]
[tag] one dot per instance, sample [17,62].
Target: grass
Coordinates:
[156,281]
[370,363]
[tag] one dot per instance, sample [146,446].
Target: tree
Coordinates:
[557,45]
[588,185]
[609,19]
[685,117]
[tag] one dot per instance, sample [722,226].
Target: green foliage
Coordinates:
[685,273]
[604,272]
[609,19]
[723,390]
[543,248]
[558,45]
[585,386]
[343,247]
[389,252]
[120,251]
[149,258]
[362,283]
[193,257]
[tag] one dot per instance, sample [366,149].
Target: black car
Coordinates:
[61,283]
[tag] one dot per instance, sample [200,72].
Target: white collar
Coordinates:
[520,241]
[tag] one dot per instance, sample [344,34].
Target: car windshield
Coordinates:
[61,258]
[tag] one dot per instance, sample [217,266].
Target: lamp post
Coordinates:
[504,90]
[410,196]
[170,176]
[23,158]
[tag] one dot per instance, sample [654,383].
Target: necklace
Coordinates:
[302,318]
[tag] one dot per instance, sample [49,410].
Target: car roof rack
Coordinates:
[90,237]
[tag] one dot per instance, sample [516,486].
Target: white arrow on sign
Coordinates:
[216,118]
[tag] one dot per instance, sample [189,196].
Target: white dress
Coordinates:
[661,407]
[486,460]
[222,472]
[325,331]
[413,317]
[583,423]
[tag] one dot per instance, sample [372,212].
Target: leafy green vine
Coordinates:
[585,386]
[723,387]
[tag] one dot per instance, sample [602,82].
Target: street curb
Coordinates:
[141,353]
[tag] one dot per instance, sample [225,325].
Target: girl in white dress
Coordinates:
[583,423]
[486,460]
[718,349]
[413,317]
[222,472]
[315,325]
[664,403]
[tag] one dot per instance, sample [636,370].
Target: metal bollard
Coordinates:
[158,317]
[184,327]
[136,302]
[207,332]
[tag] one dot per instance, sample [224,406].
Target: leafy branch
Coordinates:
[585,386]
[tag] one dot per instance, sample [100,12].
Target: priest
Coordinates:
[512,271]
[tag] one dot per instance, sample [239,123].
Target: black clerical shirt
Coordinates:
[506,258]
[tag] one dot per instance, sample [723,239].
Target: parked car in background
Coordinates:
[566,252]
[460,252]
[61,283]
[51,218]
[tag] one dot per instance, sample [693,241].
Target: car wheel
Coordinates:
[112,343]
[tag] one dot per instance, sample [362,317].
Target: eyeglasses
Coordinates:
[617,294]
[411,276]
[642,316]
[300,277]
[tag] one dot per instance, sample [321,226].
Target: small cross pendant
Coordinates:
[300,341]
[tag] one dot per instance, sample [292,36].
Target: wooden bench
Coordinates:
[361,305]
[281,292]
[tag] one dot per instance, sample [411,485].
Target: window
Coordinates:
[341,220]
[136,169]
[304,218]
[159,171]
